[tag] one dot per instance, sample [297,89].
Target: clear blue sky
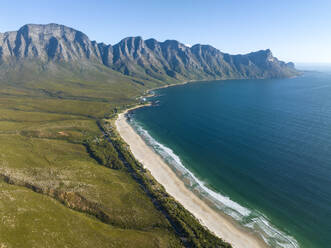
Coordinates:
[295,30]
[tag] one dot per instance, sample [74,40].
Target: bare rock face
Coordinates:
[134,56]
[48,42]
[137,57]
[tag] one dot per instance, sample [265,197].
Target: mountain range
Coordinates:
[51,45]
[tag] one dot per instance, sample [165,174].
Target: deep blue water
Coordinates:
[265,144]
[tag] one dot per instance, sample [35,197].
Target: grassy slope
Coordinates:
[30,219]
[53,193]
[44,120]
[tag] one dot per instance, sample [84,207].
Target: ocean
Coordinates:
[257,150]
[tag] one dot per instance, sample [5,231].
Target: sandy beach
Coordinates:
[215,222]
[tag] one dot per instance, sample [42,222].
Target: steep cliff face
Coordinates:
[137,57]
[48,42]
[134,56]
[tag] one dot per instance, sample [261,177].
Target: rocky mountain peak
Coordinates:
[134,56]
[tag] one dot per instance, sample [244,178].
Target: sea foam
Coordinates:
[251,219]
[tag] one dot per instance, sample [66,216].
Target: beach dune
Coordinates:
[215,222]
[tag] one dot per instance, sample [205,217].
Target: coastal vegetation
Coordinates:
[103,152]
[60,172]
[67,178]
[192,233]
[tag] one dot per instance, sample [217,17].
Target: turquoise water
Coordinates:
[260,150]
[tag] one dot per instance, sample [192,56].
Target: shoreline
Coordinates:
[219,224]
[148,94]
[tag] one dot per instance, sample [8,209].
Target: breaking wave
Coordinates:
[251,219]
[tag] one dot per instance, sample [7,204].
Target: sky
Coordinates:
[294,30]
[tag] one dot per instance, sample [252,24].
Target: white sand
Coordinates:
[215,222]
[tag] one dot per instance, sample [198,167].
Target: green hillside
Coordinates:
[56,191]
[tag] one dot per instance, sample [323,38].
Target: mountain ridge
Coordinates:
[134,56]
